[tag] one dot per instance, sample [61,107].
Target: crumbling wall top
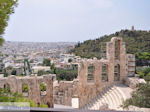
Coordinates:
[116,38]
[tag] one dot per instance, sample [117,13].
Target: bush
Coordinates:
[42,72]
[25,88]
[140,97]
[15,97]
[42,87]
[5,74]
[66,74]
[144,72]
[69,60]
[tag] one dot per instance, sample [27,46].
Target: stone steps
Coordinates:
[113,97]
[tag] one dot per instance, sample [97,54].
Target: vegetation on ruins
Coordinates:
[137,42]
[140,97]
[6,9]
[42,87]
[25,88]
[7,96]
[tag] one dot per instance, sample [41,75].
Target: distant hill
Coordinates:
[137,42]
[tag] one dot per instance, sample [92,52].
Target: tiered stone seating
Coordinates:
[112,98]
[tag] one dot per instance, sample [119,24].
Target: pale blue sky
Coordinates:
[75,20]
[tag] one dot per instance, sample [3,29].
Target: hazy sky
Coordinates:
[75,20]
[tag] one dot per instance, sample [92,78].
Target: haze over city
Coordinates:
[74,20]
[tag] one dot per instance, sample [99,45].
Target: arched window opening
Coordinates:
[43,89]
[7,88]
[117,49]
[25,89]
[48,104]
[117,73]
[105,72]
[90,76]
[38,104]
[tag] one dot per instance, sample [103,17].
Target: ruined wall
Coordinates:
[64,91]
[95,76]
[34,93]
[130,64]
[116,71]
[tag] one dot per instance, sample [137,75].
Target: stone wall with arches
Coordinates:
[94,76]
[112,69]
[30,87]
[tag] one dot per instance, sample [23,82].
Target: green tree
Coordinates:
[144,72]
[6,75]
[6,8]
[140,97]
[47,62]
[41,72]
[69,60]
[53,68]
[66,74]
[97,48]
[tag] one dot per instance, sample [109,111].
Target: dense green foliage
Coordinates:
[42,72]
[144,72]
[66,74]
[7,96]
[53,68]
[140,97]
[137,42]
[143,58]
[69,60]
[46,62]
[6,8]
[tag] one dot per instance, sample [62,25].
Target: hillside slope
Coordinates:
[137,42]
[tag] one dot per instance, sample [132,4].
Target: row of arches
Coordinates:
[104,73]
[25,88]
[43,86]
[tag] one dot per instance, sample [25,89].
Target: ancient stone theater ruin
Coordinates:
[98,77]
[97,86]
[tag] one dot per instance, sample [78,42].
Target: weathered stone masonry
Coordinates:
[33,82]
[104,73]
[94,76]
